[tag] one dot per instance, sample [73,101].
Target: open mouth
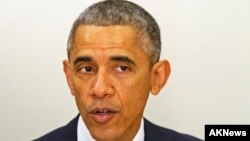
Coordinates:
[102,115]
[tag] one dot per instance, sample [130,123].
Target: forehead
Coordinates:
[104,35]
[116,40]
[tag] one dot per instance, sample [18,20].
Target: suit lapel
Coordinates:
[151,132]
[70,132]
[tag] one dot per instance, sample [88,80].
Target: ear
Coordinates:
[159,76]
[67,72]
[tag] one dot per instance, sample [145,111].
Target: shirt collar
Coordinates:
[84,135]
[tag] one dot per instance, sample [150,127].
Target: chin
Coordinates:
[105,135]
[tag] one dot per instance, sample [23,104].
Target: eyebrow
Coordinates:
[123,59]
[113,58]
[82,59]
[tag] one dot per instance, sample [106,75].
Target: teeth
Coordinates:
[102,111]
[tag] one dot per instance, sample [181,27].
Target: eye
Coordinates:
[86,69]
[122,68]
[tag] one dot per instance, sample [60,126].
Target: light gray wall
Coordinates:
[206,41]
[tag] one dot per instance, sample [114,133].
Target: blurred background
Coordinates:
[206,41]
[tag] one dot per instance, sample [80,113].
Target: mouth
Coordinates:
[102,115]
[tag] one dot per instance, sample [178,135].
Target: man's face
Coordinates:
[110,78]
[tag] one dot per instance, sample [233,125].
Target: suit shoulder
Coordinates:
[64,133]
[54,135]
[153,132]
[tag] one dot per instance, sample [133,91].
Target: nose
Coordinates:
[102,85]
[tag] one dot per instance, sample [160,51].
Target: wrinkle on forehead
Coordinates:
[104,35]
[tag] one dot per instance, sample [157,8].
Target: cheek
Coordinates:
[78,87]
[134,94]
[80,93]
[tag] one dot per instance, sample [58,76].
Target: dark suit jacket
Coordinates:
[152,133]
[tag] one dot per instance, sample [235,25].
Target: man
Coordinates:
[113,64]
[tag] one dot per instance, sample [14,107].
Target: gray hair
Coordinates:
[121,12]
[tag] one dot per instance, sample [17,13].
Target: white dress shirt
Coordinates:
[84,135]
